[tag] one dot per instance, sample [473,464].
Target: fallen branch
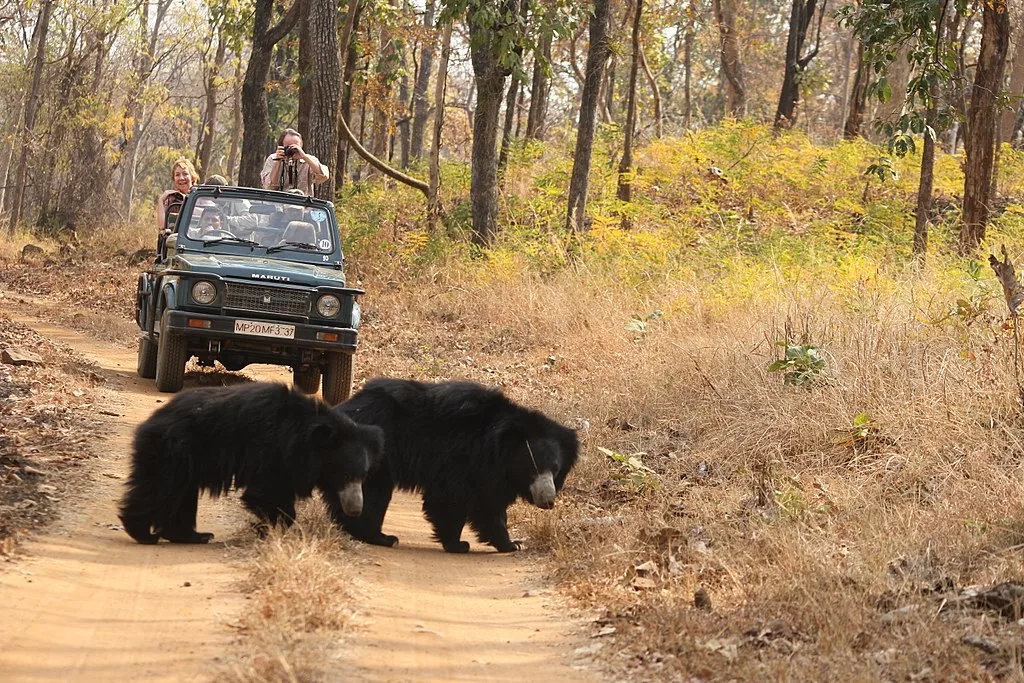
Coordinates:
[1012,289]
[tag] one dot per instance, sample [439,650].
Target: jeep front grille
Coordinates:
[267,299]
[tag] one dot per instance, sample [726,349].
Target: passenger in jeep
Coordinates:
[211,223]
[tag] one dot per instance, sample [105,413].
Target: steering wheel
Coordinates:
[216,234]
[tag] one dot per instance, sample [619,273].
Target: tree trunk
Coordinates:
[383,73]
[625,185]
[322,32]
[732,63]
[420,104]
[609,89]
[489,76]
[652,82]
[433,191]
[539,88]
[404,132]
[924,188]
[799,22]
[305,65]
[351,53]
[688,36]
[236,121]
[511,105]
[597,57]
[210,120]
[988,82]
[960,26]
[11,133]
[31,108]
[1009,118]
[858,97]
[255,115]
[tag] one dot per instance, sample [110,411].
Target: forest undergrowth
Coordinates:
[801,445]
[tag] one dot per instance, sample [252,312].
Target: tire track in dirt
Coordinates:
[90,604]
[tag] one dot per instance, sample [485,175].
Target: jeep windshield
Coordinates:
[272,224]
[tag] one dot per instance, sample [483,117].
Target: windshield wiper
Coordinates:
[233,240]
[297,245]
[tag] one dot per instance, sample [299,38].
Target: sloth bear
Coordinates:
[468,449]
[268,439]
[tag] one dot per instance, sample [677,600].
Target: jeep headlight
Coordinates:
[328,306]
[203,292]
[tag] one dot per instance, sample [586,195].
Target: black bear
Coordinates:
[275,443]
[470,452]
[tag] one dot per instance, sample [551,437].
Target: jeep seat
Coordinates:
[299,231]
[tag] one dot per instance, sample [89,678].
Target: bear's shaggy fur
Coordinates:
[468,449]
[275,443]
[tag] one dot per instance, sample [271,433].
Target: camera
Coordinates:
[290,150]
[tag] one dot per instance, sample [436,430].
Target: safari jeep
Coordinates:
[244,276]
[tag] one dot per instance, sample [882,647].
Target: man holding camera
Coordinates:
[290,168]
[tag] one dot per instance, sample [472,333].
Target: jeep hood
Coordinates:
[260,269]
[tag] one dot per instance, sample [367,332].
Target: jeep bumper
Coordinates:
[225,329]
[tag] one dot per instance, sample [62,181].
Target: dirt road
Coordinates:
[88,604]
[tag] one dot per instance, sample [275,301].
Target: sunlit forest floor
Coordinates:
[783,412]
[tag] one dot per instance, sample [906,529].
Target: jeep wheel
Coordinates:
[171,356]
[146,366]
[338,378]
[307,379]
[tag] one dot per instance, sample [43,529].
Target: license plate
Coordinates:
[265,329]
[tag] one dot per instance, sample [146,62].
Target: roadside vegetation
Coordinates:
[802,444]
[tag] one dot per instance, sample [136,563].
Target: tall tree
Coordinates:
[688,37]
[913,38]
[31,109]
[732,62]
[858,96]
[350,54]
[514,92]
[322,32]
[255,114]
[434,188]
[132,120]
[800,17]
[1012,115]
[540,86]
[212,86]
[988,83]
[493,37]
[625,185]
[652,82]
[420,103]
[597,56]
[236,119]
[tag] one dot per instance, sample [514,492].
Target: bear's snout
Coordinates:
[352,498]
[542,491]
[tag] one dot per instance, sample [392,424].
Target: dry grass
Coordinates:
[301,592]
[830,549]
[827,550]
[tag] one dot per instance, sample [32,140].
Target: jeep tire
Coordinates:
[338,378]
[171,356]
[306,379]
[146,366]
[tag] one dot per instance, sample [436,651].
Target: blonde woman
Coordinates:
[183,177]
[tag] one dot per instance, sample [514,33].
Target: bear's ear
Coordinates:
[321,433]
[373,437]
